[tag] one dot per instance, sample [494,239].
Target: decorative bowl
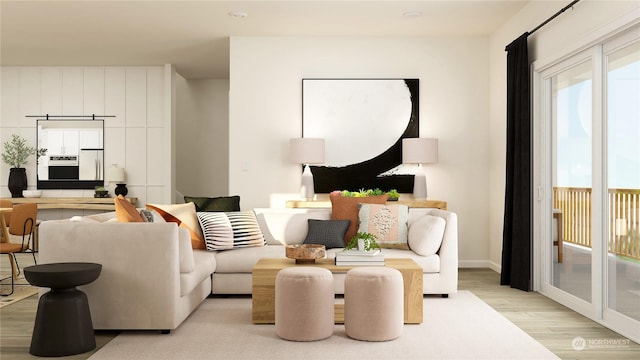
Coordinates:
[32,193]
[305,253]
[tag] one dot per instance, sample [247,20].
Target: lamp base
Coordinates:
[307,191]
[121,189]
[420,187]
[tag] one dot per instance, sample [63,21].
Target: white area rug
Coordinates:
[460,327]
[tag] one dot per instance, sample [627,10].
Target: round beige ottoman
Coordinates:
[304,303]
[373,303]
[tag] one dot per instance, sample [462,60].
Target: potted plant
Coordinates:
[393,195]
[362,241]
[15,154]
[362,193]
[101,192]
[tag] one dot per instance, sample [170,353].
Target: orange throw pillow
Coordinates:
[185,216]
[125,211]
[346,208]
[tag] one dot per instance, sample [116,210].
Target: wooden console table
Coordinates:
[80,203]
[442,205]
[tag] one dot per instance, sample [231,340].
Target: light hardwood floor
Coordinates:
[553,325]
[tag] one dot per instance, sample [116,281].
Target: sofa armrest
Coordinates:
[140,275]
[448,251]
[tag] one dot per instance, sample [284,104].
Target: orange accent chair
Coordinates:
[22,223]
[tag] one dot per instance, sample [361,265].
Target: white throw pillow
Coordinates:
[230,230]
[287,226]
[425,235]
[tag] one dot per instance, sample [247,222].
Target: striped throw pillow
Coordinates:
[230,230]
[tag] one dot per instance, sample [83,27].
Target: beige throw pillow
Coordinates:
[185,216]
[425,235]
[388,223]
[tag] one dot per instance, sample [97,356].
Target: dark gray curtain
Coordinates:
[516,236]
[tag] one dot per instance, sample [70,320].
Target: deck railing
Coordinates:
[624,218]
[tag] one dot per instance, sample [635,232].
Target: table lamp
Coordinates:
[116,175]
[419,151]
[306,151]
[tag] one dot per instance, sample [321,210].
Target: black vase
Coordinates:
[17,181]
[121,189]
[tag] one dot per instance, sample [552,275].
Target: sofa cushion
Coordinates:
[230,230]
[125,211]
[346,208]
[329,233]
[388,223]
[287,226]
[101,217]
[243,260]
[220,203]
[185,216]
[425,235]
[79,218]
[429,264]
[205,265]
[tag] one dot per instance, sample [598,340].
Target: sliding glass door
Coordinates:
[623,178]
[587,170]
[571,103]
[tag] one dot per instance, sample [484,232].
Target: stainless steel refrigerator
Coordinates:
[91,164]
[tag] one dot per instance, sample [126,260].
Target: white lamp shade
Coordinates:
[419,151]
[306,150]
[116,174]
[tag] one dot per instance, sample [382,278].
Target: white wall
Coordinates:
[138,138]
[567,33]
[202,137]
[265,112]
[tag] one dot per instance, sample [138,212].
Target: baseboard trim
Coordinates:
[479,264]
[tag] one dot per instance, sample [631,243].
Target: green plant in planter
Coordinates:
[346,193]
[362,193]
[16,152]
[101,192]
[393,194]
[369,239]
[375,192]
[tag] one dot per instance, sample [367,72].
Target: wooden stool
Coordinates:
[304,303]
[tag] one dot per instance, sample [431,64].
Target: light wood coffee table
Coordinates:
[264,287]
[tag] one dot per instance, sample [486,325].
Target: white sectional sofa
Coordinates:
[152,279]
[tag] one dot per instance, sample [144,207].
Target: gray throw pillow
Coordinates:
[329,233]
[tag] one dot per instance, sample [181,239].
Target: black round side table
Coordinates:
[63,321]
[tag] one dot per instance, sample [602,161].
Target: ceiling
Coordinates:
[194,35]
